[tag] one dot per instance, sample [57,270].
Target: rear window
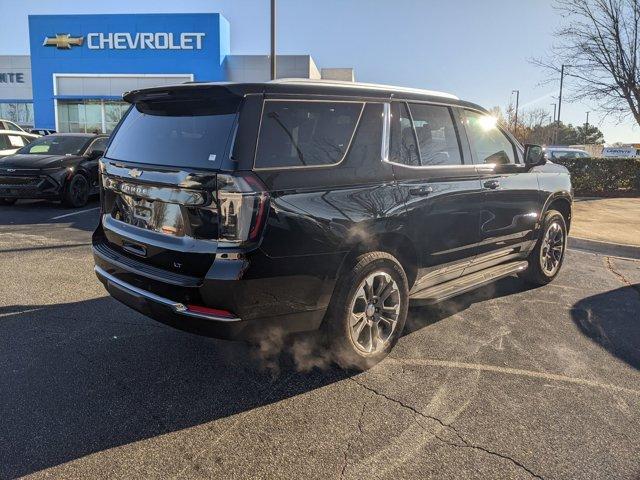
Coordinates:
[305,134]
[192,133]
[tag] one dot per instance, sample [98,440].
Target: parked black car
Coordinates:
[228,209]
[62,166]
[42,131]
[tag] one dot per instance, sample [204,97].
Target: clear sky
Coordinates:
[476,49]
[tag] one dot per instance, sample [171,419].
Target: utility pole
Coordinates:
[586,127]
[560,100]
[515,127]
[273,39]
[552,131]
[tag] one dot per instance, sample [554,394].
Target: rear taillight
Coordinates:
[243,202]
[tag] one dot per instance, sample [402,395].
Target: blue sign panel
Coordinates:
[171,44]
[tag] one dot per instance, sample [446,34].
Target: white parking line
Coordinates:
[74,213]
[514,371]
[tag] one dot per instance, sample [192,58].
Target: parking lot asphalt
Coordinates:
[506,382]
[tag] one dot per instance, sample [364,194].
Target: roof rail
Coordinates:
[372,86]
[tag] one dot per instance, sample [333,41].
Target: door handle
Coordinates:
[492,184]
[420,191]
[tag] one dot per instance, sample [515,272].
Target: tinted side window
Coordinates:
[99,144]
[303,134]
[366,145]
[403,147]
[487,140]
[4,143]
[437,138]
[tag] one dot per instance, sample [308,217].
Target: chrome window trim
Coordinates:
[305,100]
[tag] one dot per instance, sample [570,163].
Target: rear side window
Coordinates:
[403,146]
[180,133]
[305,133]
[487,140]
[436,134]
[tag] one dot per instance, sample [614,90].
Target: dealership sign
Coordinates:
[12,77]
[128,41]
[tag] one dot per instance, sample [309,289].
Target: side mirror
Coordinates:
[95,154]
[533,155]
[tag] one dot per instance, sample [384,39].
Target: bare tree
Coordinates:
[600,47]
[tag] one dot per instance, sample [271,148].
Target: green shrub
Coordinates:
[604,176]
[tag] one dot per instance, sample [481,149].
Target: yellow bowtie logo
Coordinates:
[63,41]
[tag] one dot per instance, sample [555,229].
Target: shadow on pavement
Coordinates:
[611,320]
[83,377]
[36,212]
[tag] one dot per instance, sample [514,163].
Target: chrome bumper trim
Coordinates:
[177,307]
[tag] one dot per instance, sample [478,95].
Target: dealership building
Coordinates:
[80,65]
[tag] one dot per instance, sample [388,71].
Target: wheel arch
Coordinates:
[396,244]
[563,203]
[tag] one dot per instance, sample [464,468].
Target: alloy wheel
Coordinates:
[374,312]
[79,190]
[552,249]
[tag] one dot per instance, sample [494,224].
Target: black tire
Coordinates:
[349,295]
[538,272]
[76,192]
[8,201]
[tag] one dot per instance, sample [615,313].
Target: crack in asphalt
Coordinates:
[621,276]
[451,428]
[345,463]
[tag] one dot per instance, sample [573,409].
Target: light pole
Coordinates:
[554,111]
[560,100]
[515,126]
[273,39]
[586,128]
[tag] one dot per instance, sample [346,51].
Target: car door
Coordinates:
[440,188]
[511,203]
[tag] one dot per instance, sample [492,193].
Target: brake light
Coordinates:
[243,202]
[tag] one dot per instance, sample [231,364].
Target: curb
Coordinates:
[604,248]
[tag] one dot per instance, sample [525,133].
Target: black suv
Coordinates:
[228,209]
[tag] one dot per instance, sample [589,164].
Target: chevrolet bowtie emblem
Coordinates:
[63,41]
[135,173]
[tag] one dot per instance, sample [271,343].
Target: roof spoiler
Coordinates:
[182,91]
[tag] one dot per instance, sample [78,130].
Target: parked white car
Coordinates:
[555,153]
[9,125]
[12,140]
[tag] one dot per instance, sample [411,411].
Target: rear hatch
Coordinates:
[170,198]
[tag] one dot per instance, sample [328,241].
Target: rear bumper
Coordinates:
[175,314]
[168,311]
